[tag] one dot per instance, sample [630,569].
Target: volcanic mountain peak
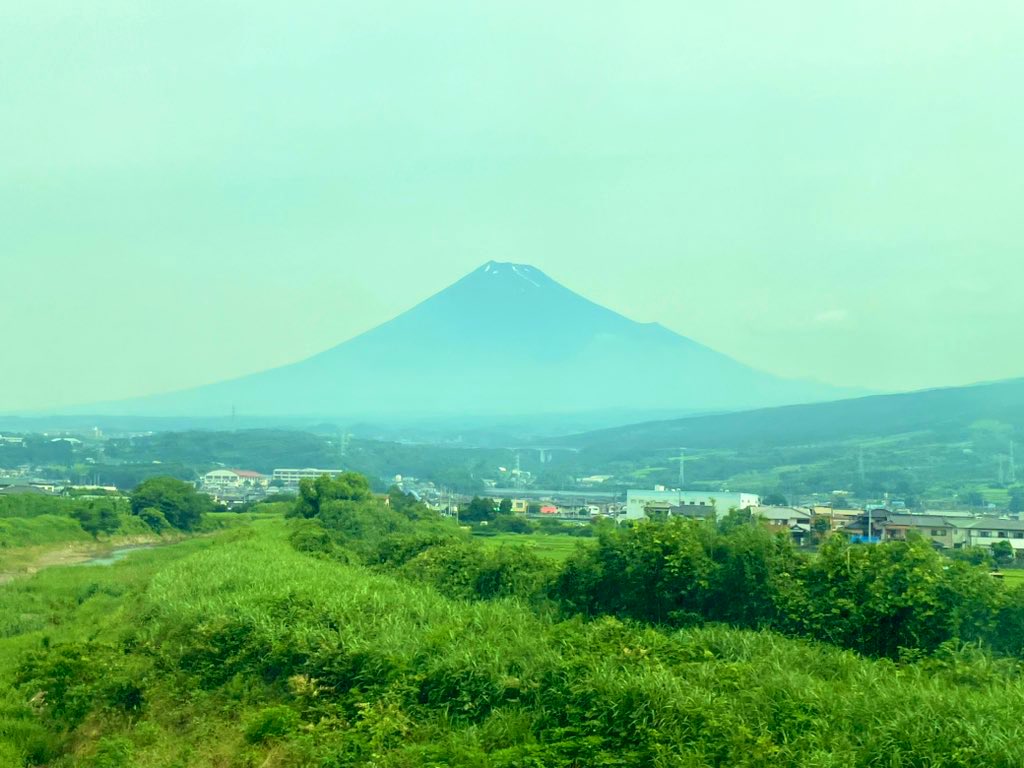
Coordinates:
[504,339]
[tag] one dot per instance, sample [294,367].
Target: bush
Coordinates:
[512,524]
[113,753]
[271,723]
[310,536]
[178,501]
[154,519]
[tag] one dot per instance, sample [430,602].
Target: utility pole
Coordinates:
[682,477]
[1013,466]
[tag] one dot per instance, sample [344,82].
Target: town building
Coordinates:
[986,531]
[224,479]
[838,518]
[792,520]
[867,526]
[637,501]
[293,476]
[660,510]
[943,532]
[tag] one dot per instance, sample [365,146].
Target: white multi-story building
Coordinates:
[293,476]
[720,501]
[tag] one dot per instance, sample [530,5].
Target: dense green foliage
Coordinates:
[41,529]
[30,520]
[247,652]
[178,502]
[893,600]
[364,631]
[316,494]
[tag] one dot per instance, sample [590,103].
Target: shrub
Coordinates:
[113,753]
[310,536]
[271,723]
[154,518]
[181,505]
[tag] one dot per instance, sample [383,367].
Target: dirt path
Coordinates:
[25,561]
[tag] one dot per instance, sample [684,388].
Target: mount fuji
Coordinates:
[504,340]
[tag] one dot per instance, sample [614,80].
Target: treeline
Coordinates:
[158,505]
[894,600]
[188,453]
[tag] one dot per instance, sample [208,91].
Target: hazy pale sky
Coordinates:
[195,190]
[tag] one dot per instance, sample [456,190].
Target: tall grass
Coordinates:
[44,529]
[241,651]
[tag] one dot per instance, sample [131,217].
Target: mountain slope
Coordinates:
[946,413]
[505,339]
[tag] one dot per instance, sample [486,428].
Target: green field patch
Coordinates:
[553,546]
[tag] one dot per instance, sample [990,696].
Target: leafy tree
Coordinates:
[178,501]
[775,499]
[1002,551]
[315,493]
[155,519]
[505,507]
[973,555]
[407,504]
[478,510]
[513,524]
[96,519]
[656,572]
[821,526]
[883,599]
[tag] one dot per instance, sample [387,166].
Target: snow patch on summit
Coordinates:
[526,277]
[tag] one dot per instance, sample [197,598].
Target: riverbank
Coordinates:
[26,561]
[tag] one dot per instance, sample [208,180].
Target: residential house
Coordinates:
[838,518]
[943,532]
[867,526]
[793,520]
[986,531]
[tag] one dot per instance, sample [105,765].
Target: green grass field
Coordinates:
[554,546]
[1013,577]
[235,651]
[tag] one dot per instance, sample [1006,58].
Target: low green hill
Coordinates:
[946,413]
